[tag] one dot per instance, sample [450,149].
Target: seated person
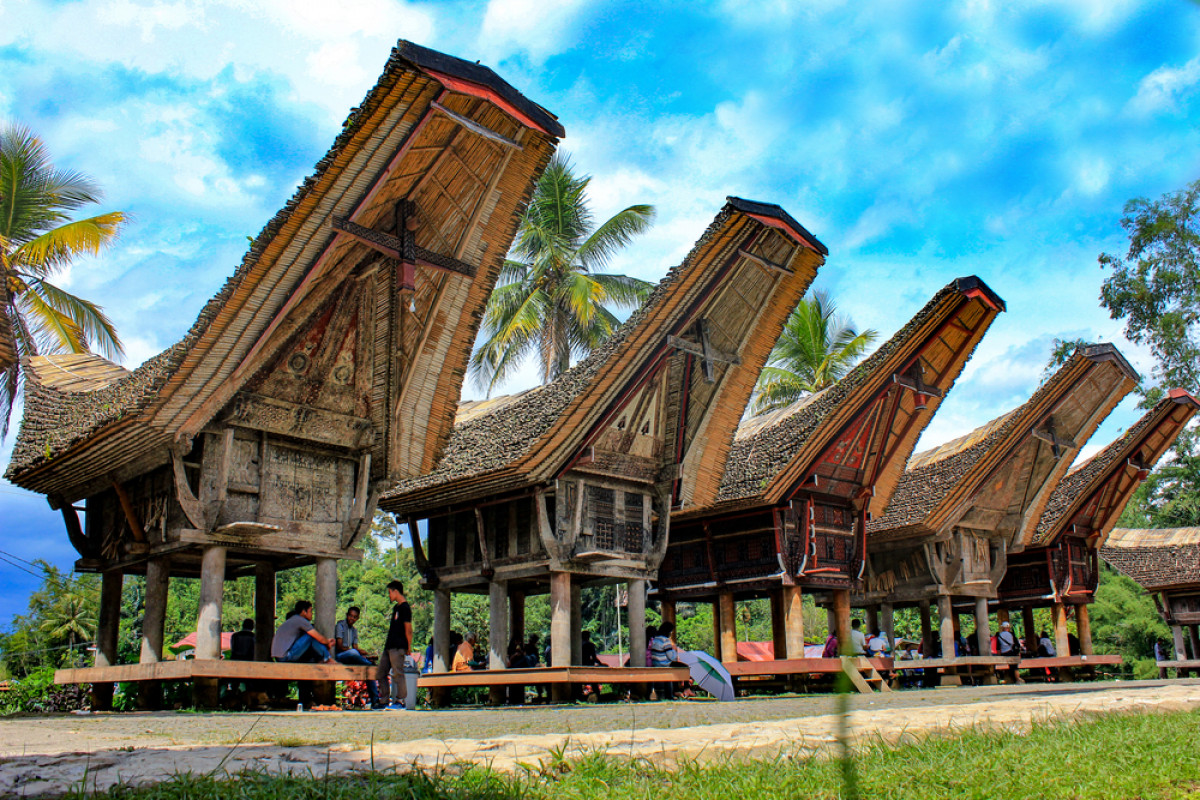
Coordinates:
[877,646]
[464,656]
[533,649]
[588,650]
[831,646]
[347,651]
[241,644]
[663,653]
[298,641]
[1046,648]
[858,640]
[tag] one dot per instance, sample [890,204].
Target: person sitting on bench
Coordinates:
[241,644]
[298,641]
[464,656]
[347,651]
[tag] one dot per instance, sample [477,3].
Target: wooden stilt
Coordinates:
[158,577]
[497,634]
[560,628]
[208,623]
[888,622]
[793,621]
[264,610]
[1058,616]
[108,624]
[325,616]
[872,615]
[983,627]
[666,609]
[1031,634]
[637,623]
[516,614]
[576,624]
[1084,626]
[779,647]
[841,616]
[946,635]
[728,645]
[926,629]
[442,657]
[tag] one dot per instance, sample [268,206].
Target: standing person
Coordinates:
[347,651]
[395,647]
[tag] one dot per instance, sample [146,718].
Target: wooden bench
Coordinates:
[864,673]
[950,669]
[1181,666]
[1064,667]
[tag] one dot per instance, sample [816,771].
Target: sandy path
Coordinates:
[49,755]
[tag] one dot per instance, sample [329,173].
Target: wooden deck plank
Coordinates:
[1070,661]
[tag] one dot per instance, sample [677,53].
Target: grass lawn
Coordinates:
[1117,756]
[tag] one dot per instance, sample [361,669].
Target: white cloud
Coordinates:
[534,27]
[1164,88]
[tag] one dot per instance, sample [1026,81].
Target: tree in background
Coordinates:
[38,239]
[816,349]
[549,298]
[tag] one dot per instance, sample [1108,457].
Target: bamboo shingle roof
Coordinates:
[994,465]
[774,452]
[1100,487]
[446,135]
[502,445]
[75,372]
[1155,559]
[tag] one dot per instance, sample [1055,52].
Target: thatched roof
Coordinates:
[526,440]
[75,372]
[1147,440]
[424,103]
[773,452]
[942,485]
[1155,559]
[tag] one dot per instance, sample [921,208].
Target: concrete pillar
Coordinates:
[158,577]
[983,628]
[793,620]
[325,609]
[1084,626]
[926,629]
[264,610]
[1031,634]
[727,610]
[872,615]
[212,592]
[1058,614]
[560,619]
[205,691]
[888,622]
[108,623]
[497,634]
[946,620]
[441,630]
[516,615]
[841,616]
[637,623]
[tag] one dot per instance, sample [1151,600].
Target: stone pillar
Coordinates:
[637,623]
[497,634]
[841,616]
[888,621]
[926,629]
[325,609]
[108,624]
[983,628]
[516,615]
[264,610]
[1084,626]
[872,614]
[1058,614]
[727,611]
[1031,634]
[793,620]
[946,636]
[208,623]
[158,577]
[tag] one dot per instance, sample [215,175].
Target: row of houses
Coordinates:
[322,382]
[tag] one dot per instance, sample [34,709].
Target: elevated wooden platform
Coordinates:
[554,675]
[865,673]
[1057,662]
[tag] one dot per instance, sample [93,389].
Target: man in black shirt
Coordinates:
[241,644]
[396,646]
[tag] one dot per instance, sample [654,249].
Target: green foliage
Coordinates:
[816,349]
[38,239]
[551,299]
[36,693]
[1124,619]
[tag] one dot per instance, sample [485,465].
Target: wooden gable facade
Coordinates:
[574,481]
[1060,563]
[326,369]
[801,482]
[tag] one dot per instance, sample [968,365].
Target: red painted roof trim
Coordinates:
[484,93]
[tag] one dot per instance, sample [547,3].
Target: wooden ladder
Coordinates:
[863,675]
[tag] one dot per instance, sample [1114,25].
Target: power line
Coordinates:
[18,566]
[18,558]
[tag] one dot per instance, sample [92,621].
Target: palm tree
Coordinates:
[549,299]
[37,239]
[817,347]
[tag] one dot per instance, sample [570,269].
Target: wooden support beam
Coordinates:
[727,621]
[75,534]
[475,127]
[946,634]
[396,247]
[1084,627]
[497,634]
[767,265]
[183,492]
[158,579]
[131,517]
[1058,444]
[487,570]
[264,609]
[108,623]
[637,623]
[1058,617]
[704,350]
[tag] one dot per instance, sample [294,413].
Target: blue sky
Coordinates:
[919,141]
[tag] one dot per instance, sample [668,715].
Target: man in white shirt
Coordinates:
[858,642]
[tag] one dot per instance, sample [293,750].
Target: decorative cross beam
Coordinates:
[707,353]
[1058,444]
[403,248]
[1138,463]
[913,379]
[766,264]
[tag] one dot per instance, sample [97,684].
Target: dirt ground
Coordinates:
[48,755]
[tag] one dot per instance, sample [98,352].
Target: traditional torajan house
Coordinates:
[962,508]
[327,368]
[1059,563]
[574,482]
[1166,563]
[801,482]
